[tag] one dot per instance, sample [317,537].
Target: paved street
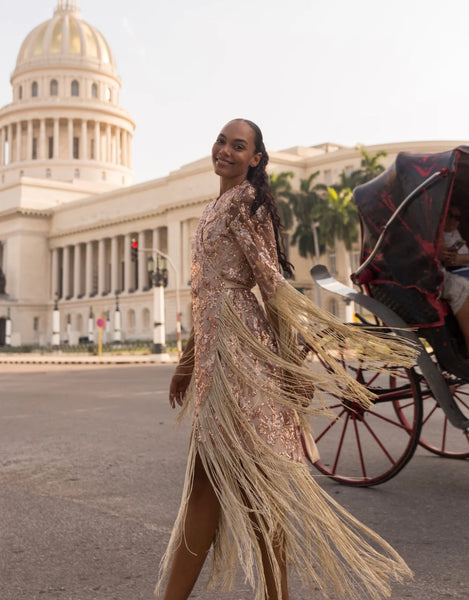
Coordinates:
[91,469]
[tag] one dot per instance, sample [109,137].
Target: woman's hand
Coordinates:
[178,386]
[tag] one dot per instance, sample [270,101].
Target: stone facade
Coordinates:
[69,211]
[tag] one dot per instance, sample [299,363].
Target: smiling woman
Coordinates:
[248,489]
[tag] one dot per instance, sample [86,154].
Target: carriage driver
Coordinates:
[454,253]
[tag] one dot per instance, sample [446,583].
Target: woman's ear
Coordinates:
[256,159]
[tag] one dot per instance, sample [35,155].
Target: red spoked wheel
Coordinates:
[438,435]
[368,447]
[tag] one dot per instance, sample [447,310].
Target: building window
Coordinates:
[108,94]
[75,88]
[34,89]
[48,174]
[94,90]
[35,323]
[20,92]
[328,176]
[34,153]
[92,148]
[77,174]
[54,87]
[76,147]
[50,150]
[104,175]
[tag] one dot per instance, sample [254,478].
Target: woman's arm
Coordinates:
[183,374]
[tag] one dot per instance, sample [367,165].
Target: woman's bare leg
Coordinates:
[269,574]
[203,512]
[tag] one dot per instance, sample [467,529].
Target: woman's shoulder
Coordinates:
[244,193]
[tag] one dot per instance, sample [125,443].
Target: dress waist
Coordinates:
[233,285]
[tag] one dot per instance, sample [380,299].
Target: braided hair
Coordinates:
[259,179]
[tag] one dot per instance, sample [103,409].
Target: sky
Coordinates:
[307,71]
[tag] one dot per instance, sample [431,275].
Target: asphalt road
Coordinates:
[91,469]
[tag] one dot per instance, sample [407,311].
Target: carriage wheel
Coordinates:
[438,435]
[367,447]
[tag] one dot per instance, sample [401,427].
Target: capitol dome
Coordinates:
[66,40]
[65,122]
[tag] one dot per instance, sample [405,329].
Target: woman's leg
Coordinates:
[203,512]
[269,573]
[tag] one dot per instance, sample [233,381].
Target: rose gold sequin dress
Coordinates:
[248,415]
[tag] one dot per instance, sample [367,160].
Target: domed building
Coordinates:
[65,122]
[78,241]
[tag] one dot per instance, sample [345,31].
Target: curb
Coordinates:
[63,360]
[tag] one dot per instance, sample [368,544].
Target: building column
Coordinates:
[2,146]
[97,141]
[42,139]
[76,270]
[29,140]
[101,266]
[70,139]
[174,250]
[18,142]
[114,264]
[114,147]
[108,143]
[89,269]
[142,263]
[55,272]
[129,150]
[84,140]
[127,264]
[123,147]
[56,138]
[185,252]
[66,271]
[156,239]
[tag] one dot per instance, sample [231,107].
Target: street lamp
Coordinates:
[117,321]
[158,275]
[8,329]
[56,323]
[90,326]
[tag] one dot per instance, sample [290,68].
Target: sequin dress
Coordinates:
[248,414]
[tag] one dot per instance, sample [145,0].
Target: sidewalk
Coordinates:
[66,358]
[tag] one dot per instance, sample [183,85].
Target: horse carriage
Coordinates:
[402,215]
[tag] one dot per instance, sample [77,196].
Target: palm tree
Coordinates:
[280,187]
[307,205]
[339,219]
[370,166]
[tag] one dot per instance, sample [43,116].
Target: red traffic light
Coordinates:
[134,250]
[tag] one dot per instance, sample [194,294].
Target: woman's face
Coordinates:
[234,152]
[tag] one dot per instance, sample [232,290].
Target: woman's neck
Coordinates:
[226,185]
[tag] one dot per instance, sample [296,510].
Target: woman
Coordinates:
[248,490]
[454,254]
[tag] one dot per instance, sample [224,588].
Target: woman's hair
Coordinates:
[260,181]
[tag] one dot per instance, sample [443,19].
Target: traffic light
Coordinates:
[134,250]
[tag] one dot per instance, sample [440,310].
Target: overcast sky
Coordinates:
[307,71]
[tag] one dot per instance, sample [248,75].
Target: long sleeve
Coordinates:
[255,236]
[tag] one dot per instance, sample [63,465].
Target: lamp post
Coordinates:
[117,321]
[108,326]
[69,329]
[8,329]
[158,273]
[56,323]
[317,289]
[91,326]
